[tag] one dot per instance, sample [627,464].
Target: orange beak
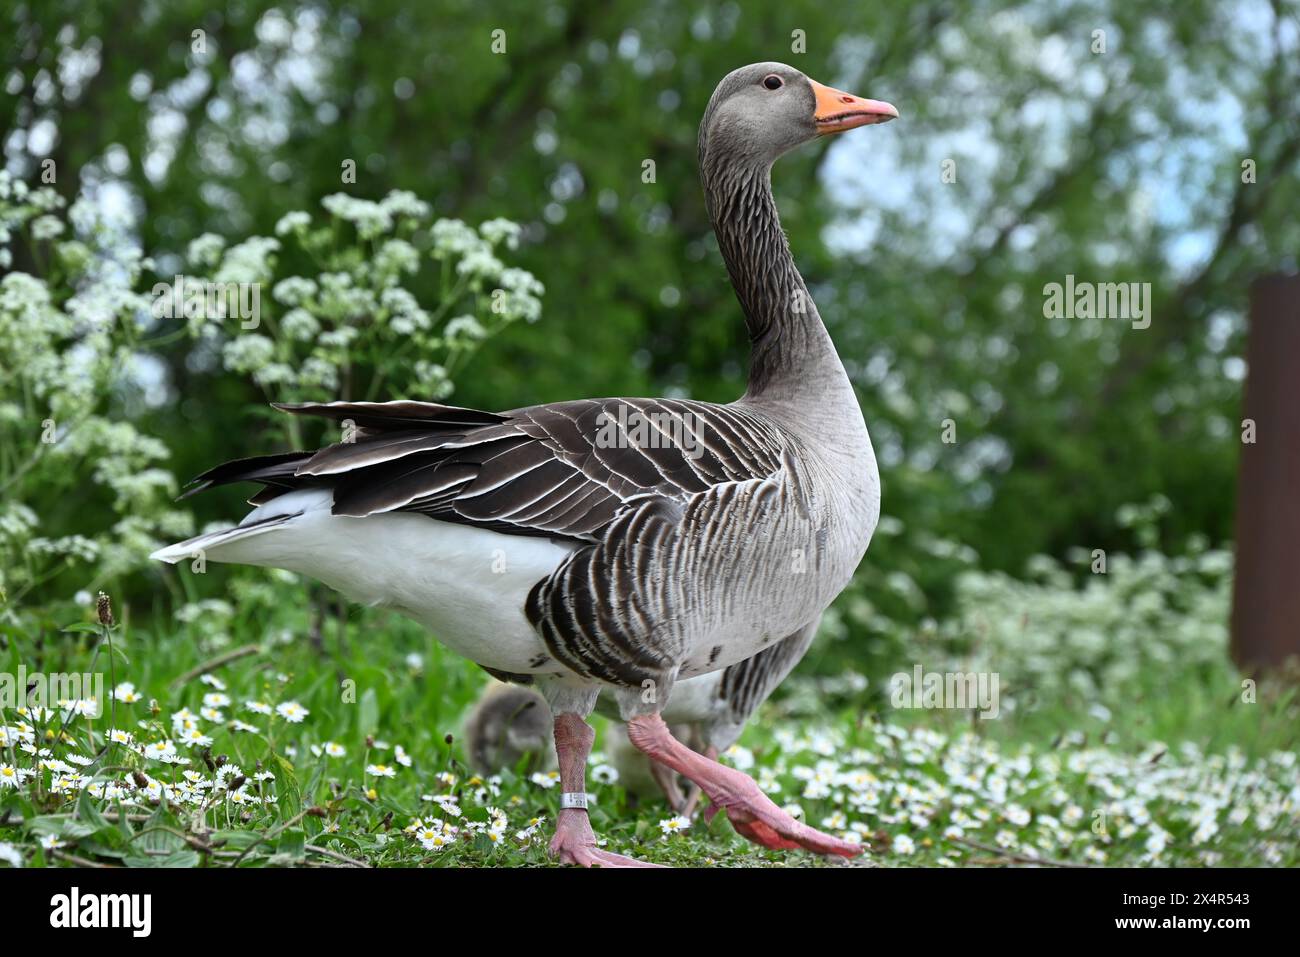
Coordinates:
[838,111]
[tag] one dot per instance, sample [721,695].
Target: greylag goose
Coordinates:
[569,544]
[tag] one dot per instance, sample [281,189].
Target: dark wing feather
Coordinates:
[386,416]
[274,471]
[378,447]
[561,470]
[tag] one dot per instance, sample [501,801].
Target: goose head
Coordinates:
[764,110]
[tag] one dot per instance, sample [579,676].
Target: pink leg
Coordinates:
[693,798]
[751,812]
[574,842]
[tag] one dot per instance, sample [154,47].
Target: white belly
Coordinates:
[467,585]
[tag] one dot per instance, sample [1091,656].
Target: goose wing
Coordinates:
[563,470]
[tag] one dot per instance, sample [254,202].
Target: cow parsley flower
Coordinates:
[248,353]
[432,379]
[395,256]
[299,324]
[250,261]
[497,231]
[292,222]
[46,227]
[480,264]
[464,329]
[370,218]
[294,290]
[401,202]
[205,250]
[451,237]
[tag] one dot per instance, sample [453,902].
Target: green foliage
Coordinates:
[1091,629]
[1101,642]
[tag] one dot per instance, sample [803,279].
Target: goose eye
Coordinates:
[772,81]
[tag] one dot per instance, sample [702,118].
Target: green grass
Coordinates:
[1061,784]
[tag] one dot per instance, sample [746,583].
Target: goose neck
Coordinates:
[791,352]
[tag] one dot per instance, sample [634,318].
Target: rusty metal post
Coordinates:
[1266,588]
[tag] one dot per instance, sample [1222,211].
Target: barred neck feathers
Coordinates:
[791,353]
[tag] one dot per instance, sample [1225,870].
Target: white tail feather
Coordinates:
[207,545]
[275,513]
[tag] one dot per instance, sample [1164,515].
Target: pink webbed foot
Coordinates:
[575,843]
[760,833]
[755,816]
[751,812]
